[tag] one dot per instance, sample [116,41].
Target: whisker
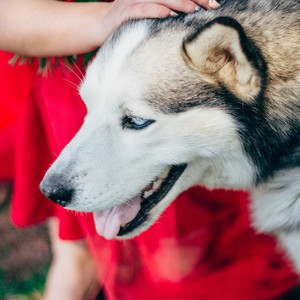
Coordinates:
[73,85]
[72,71]
[55,155]
[78,69]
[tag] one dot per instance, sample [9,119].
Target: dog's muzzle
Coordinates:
[55,188]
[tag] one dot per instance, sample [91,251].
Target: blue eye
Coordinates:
[135,123]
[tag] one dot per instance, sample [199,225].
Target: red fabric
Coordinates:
[201,248]
[51,116]
[15,86]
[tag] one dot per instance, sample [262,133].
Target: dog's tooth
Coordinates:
[157,183]
[165,173]
[148,193]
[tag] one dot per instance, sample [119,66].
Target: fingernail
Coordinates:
[173,13]
[213,4]
[197,8]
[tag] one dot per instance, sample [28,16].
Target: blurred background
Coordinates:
[24,255]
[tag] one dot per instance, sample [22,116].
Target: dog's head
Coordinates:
[157,122]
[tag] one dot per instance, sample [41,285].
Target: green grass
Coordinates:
[22,289]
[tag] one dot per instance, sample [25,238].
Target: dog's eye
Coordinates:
[135,123]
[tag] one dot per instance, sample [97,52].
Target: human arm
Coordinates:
[54,28]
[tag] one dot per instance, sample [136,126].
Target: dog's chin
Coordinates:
[151,196]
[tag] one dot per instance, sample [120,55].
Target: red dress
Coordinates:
[15,85]
[201,248]
[51,116]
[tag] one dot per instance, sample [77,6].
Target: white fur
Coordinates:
[275,209]
[276,203]
[290,242]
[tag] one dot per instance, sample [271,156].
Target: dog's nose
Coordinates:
[56,189]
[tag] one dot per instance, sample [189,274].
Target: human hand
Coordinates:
[136,9]
[122,10]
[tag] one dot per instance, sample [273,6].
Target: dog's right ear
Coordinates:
[223,54]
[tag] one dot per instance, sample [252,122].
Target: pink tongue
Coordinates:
[108,221]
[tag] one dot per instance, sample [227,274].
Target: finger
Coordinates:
[208,4]
[188,5]
[185,6]
[164,8]
[150,10]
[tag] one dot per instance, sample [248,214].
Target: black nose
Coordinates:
[57,190]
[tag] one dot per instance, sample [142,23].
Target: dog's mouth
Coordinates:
[123,219]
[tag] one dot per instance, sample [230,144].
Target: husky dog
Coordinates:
[210,98]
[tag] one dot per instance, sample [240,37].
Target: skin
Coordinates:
[54,28]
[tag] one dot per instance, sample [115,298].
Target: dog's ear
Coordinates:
[223,54]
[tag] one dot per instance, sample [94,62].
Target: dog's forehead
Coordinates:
[138,64]
[158,69]
[115,54]
[104,77]
[137,52]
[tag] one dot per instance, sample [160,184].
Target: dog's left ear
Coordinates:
[222,53]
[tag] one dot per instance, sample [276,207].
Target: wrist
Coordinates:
[106,22]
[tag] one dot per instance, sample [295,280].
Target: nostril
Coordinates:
[61,196]
[55,190]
